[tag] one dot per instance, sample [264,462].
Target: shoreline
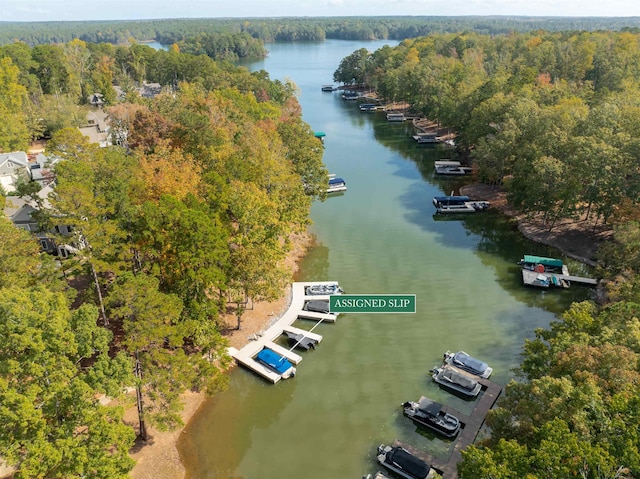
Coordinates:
[160,458]
[579,240]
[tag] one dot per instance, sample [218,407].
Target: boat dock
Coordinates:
[245,356]
[470,427]
[532,278]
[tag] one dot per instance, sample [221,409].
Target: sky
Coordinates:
[45,10]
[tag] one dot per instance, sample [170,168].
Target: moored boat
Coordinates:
[451,170]
[316,306]
[377,475]
[336,184]
[277,363]
[403,463]
[368,107]
[458,204]
[426,138]
[542,264]
[456,381]
[301,341]
[429,414]
[462,360]
[395,116]
[328,88]
[323,289]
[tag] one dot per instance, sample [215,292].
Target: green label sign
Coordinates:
[372,303]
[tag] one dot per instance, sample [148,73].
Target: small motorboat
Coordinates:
[429,414]
[456,381]
[462,360]
[323,289]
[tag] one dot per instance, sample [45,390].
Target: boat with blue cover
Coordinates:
[278,363]
[336,184]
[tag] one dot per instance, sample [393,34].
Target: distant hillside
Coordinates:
[297,29]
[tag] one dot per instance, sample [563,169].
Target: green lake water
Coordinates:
[380,236]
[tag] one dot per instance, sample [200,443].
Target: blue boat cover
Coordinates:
[274,361]
[336,181]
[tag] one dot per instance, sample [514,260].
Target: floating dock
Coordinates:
[546,279]
[246,355]
[470,427]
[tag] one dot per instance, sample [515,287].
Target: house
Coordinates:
[21,213]
[41,169]
[13,166]
[97,128]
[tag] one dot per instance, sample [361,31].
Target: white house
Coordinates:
[12,166]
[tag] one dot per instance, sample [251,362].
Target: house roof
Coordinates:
[97,128]
[41,168]
[10,162]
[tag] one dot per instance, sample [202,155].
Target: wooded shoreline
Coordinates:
[579,240]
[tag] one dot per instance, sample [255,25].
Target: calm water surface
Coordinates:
[381,236]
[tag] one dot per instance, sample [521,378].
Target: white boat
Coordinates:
[458,204]
[451,170]
[395,117]
[438,163]
[426,138]
[377,475]
[462,360]
[336,184]
[323,289]
[456,381]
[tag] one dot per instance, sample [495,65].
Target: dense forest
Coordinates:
[188,216]
[296,29]
[554,119]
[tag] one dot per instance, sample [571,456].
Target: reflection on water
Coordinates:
[380,236]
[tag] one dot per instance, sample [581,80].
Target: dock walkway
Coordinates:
[470,427]
[245,356]
[530,278]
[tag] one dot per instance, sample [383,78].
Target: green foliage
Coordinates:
[224,46]
[14,134]
[533,108]
[67,433]
[297,29]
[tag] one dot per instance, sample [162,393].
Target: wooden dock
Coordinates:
[470,427]
[246,355]
[531,278]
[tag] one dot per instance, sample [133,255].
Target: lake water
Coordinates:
[381,236]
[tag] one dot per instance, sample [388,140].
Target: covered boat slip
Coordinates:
[246,355]
[543,272]
[550,263]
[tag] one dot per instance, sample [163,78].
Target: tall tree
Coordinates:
[53,425]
